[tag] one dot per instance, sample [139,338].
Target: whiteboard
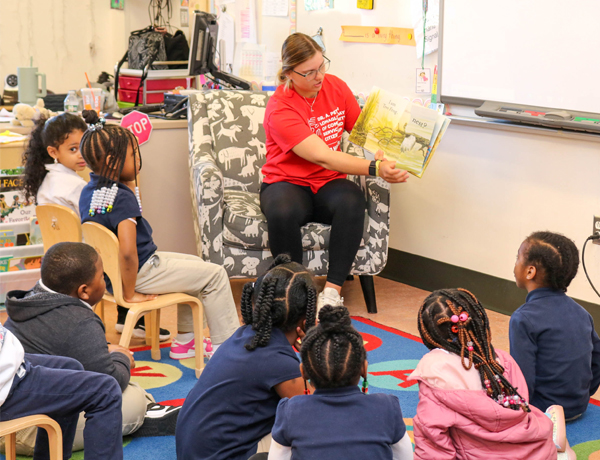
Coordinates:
[532,52]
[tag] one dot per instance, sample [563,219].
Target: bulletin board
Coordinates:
[534,52]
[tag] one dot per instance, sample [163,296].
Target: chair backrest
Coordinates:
[233,122]
[107,245]
[58,224]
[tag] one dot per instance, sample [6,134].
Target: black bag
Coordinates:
[146,46]
[177,49]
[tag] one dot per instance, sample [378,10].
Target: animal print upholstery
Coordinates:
[227,152]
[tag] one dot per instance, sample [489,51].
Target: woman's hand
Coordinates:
[137,297]
[388,171]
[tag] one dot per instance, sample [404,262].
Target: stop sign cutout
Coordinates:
[139,124]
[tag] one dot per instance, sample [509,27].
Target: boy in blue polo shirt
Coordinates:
[552,338]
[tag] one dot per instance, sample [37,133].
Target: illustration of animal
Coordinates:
[229,132]
[250,264]
[260,147]
[248,170]
[256,115]
[251,230]
[257,99]
[233,153]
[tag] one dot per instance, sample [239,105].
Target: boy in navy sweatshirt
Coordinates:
[552,337]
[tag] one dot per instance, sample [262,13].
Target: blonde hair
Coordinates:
[296,49]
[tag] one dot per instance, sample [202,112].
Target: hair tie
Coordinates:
[98,125]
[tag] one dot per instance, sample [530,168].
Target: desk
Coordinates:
[164,183]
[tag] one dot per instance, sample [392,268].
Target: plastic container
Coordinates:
[92,99]
[71,102]
[151,98]
[133,83]
[23,280]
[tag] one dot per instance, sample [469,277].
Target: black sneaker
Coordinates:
[159,421]
[139,331]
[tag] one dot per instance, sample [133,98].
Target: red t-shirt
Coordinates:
[289,120]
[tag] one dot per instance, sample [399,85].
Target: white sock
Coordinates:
[184,337]
[216,346]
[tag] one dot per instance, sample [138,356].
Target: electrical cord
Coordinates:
[592,237]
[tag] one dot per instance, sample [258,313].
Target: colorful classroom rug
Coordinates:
[392,356]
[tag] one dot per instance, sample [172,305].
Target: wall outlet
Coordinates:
[596,230]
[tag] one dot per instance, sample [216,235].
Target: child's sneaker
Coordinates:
[139,331]
[188,349]
[329,296]
[159,421]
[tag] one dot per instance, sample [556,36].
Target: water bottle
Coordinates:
[71,102]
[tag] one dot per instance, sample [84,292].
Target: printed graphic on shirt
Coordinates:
[329,127]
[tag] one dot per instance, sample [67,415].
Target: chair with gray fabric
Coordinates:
[227,152]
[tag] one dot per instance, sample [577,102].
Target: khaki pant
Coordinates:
[167,272]
[135,401]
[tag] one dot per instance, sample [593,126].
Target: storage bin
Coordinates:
[151,98]
[133,83]
[23,280]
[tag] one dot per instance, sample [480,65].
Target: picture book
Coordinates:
[407,133]
[13,205]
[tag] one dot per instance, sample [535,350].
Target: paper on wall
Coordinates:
[275,7]
[432,24]
[226,33]
[245,21]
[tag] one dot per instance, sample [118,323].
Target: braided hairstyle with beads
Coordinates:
[279,299]
[555,255]
[455,321]
[101,141]
[333,353]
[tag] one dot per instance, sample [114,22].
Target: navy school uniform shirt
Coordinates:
[552,339]
[339,423]
[125,207]
[233,404]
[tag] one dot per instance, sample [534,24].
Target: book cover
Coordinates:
[13,205]
[407,133]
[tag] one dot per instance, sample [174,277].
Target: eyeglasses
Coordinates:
[313,73]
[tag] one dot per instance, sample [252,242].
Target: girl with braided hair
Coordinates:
[472,397]
[111,199]
[338,421]
[552,337]
[230,411]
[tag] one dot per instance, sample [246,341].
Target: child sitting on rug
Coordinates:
[552,337]
[469,406]
[111,199]
[232,406]
[338,421]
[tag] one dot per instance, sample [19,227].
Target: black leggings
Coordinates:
[339,203]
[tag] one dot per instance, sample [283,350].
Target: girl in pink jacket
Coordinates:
[472,398]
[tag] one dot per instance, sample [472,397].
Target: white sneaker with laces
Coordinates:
[329,296]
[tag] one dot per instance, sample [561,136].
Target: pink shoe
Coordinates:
[188,349]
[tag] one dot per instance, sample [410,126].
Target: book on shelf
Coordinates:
[13,205]
[407,133]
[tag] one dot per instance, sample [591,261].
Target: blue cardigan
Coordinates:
[553,340]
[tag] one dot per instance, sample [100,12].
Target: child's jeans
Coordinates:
[59,388]
[167,272]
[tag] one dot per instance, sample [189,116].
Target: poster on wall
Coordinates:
[312,5]
[426,19]
[117,4]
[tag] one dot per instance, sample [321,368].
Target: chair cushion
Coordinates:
[245,226]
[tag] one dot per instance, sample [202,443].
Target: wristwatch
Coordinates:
[373,168]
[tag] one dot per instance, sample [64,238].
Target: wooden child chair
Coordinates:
[60,224]
[9,431]
[107,245]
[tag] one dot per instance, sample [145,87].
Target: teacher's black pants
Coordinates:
[339,203]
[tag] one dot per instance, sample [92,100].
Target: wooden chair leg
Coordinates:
[54,441]
[155,332]
[368,287]
[198,317]
[10,445]
[130,321]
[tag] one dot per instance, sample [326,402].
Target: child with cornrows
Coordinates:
[552,337]
[473,399]
[338,421]
[111,198]
[230,411]
[52,159]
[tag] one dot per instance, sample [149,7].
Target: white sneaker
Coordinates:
[329,296]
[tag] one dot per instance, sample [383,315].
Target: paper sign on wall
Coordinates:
[385,35]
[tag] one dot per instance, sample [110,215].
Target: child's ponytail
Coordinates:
[50,132]
[35,159]
[278,299]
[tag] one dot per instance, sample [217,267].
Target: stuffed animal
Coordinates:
[25,115]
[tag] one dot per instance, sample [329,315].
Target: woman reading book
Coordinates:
[305,173]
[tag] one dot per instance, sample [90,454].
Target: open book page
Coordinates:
[403,131]
[440,128]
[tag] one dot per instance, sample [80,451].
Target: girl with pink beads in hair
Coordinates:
[473,398]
